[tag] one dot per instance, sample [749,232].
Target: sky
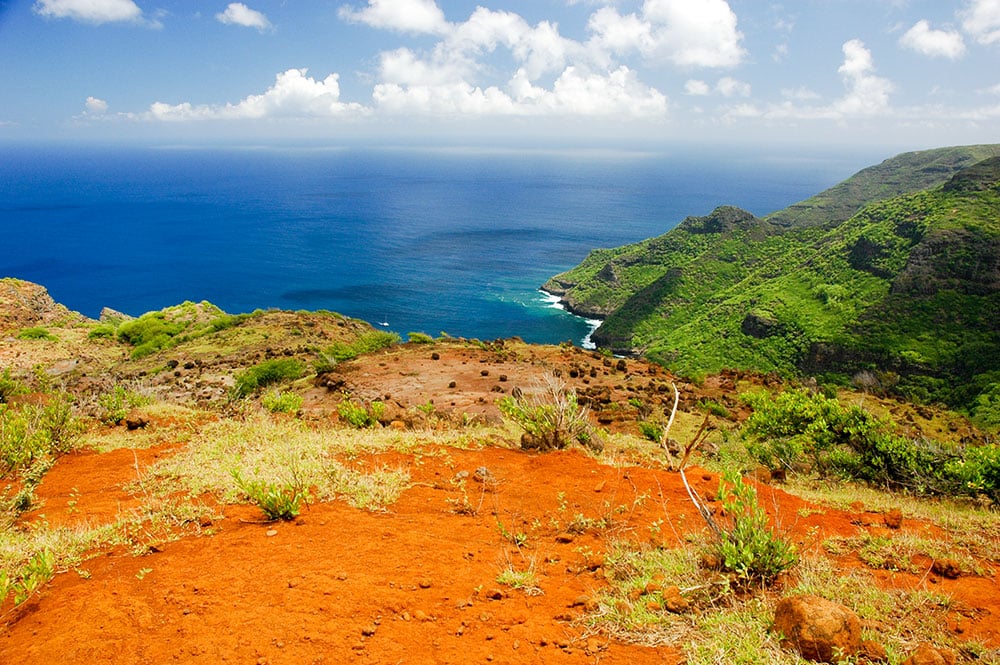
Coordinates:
[903,73]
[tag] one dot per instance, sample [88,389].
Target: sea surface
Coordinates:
[452,241]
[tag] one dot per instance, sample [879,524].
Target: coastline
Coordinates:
[556,302]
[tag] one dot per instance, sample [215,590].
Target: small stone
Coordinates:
[565,538]
[927,654]
[424,584]
[674,602]
[893,519]
[368,631]
[420,615]
[271,532]
[872,652]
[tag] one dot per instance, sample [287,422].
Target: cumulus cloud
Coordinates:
[867,94]
[697,88]
[293,95]
[416,16]
[95,106]
[934,43]
[237,13]
[90,11]
[981,19]
[685,33]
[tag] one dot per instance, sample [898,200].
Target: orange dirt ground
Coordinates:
[413,584]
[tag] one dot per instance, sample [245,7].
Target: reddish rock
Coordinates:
[893,519]
[947,568]
[674,602]
[872,652]
[818,629]
[927,654]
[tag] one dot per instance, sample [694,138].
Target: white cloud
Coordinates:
[95,106]
[730,87]
[574,93]
[685,33]
[90,11]
[293,95]
[981,19]
[237,13]
[992,90]
[867,94]
[801,93]
[934,43]
[417,16]
[697,88]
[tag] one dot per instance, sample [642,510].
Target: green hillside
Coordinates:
[903,296]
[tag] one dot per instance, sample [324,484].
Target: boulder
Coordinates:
[927,654]
[818,629]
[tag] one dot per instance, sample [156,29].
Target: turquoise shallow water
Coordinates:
[431,241]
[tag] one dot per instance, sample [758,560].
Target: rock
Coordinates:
[927,654]
[674,602]
[948,568]
[818,629]
[893,519]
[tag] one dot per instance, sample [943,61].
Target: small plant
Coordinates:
[650,430]
[551,417]
[116,404]
[747,545]
[523,580]
[9,386]
[360,415]
[36,332]
[279,502]
[282,402]
[37,572]
[265,374]
[519,539]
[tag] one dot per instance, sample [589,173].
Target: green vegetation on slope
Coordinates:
[902,296]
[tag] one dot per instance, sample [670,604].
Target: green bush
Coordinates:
[650,430]
[747,545]
[36,332]
[282,402]
[9,386]
[278,501]
[361,415]
[149,333]
[978,473]
[116,404]
[266,373]
[31,432]
[365,343]
[39,570]
[420,338]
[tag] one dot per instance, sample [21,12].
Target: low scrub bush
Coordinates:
[361,415]
[550,416]
[36,332]
[745,543]
[420,338]
[365,343]
[265,374]
[9,386]
[30,432]
[282,402]
[116,404]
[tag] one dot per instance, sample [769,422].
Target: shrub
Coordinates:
[365,343]
[282,402]
[279,502]
[551,417]
[360,415]
[36,332]
[116,404]
[650,430]
[420,338]
[31,432]
[39,570]
[149,333]
[266,373]
[747,545]
[9,386]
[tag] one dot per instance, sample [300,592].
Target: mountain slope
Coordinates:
[903,295]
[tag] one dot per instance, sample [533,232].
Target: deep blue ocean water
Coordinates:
[432,241]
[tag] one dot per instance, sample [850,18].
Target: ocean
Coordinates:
[435,241]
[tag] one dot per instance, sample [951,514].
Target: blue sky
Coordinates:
[902,73]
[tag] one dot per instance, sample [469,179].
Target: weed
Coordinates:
[278,501]
[282,402]
[35,573]
[523,580]
[9,386]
